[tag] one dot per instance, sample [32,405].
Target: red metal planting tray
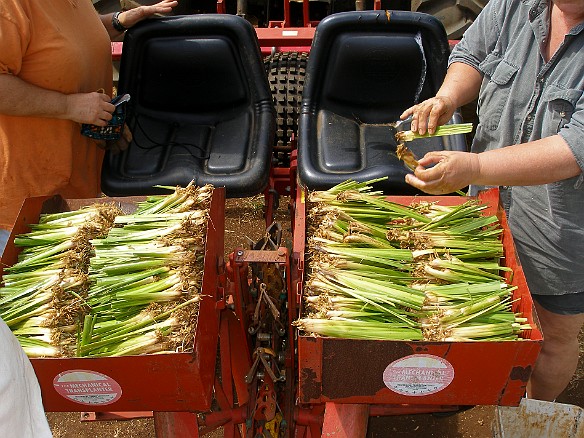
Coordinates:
[418,374]
[159,382]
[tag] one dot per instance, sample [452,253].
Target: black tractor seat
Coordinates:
[365,68]
[201,107]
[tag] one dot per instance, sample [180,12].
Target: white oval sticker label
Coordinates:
[418,374]
[87,387]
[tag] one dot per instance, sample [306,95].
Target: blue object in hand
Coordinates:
[113,129]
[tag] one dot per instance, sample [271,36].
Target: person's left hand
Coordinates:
[442,172]
[132,16]
[119,145]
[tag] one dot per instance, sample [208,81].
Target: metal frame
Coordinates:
[327,364]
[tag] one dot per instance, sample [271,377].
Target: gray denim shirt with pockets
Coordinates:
[523,98]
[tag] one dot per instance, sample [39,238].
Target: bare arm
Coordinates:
[130,17]
[19,98]
[461,85]
[538,162]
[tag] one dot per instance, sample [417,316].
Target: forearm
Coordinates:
[461,84]
[106,20]
[133,16]
[19,98]
[539,162]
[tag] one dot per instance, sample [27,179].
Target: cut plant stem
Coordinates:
[461,128]
[436,268]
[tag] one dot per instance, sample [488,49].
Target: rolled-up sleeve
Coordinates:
[573,133]
[481,37]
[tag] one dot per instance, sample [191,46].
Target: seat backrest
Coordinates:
[200,109]
[365,68]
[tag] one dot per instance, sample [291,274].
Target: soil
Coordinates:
[243,220]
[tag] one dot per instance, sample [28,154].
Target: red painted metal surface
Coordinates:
[298,243]
[117,50]
[176,424]
[263,394]
[161,382]
[237,364]
[110,416]
[345,420]
[276,39]
[385,410]
[308,421]
[483,373]
[221,7]
[240,298]
[286,37]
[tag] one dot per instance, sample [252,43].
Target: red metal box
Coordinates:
[435,373]
[155,382]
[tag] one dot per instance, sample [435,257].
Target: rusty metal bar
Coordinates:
[254,256]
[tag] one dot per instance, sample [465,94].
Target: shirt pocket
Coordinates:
[560,105]
[495,90]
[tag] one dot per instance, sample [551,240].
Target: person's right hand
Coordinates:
[441,172]
[92,108]
[429,114]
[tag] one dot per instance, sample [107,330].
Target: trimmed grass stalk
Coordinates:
[147,277]
[428,267]
[441,131]
[91,285]
[48,284]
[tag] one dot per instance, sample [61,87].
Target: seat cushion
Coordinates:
[365,68]
[200,109]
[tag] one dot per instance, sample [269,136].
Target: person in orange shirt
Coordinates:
[54,57]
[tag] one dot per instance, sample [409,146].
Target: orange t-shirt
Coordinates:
[59,45]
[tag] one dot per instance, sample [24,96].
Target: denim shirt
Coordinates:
[522,98]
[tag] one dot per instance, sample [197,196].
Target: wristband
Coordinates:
[116,22]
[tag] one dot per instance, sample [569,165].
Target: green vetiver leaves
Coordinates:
[379,270]
[130,284]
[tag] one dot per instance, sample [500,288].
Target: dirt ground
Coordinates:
[244,219]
